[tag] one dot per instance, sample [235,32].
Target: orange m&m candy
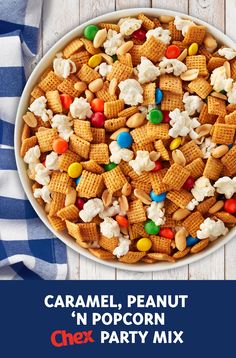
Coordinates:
[66,100]
[60,145]
[172,51]
[122,221]
[97,105]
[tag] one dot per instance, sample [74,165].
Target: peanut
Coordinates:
[123,202]
[204,130]
[180,239]
[180,214]
[116,133]
[154,155]
[165,19]
[100,38]
[126,190]
[183,55]
[107,58]
[113,86]
[216,207]
[143,196]
[96,85]
[218,152]
[189,75]
[210,43]
[89,95]
[136,120]
[70,197]
[80,86]
[106,198]
[178,157]
[30,119]
[123,49]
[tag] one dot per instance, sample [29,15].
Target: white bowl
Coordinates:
[39,69]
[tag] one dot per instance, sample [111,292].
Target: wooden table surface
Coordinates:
[61,16]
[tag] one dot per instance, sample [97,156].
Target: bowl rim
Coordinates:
[21,167]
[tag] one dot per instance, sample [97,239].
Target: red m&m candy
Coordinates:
[167,233]
[230,206]
[98,120]
[158,166]
[172,51]
[166,117]
[189,183]
[80,203]
[139,35]
[66,100]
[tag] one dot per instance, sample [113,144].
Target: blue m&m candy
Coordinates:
[158,95]
[124,140]
[157,198]
[190,241]
[77,180]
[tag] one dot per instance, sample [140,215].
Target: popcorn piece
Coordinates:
[156,213]
[206,147]
[172,66]
[112,210]
[129,25]
[211,229]
[32,155]
[118,153]
[159,34]
[43,193]
[123,247]
[131,92]
[91,208]
[147,71]
[110,228]
[42,174]
[232,94]
[63,125]
[182,124]
[142,162]
[38,107]
[226,186]
[219,80]
[202,188]
[113,42]
[192,204]
[52,161]
[182,24]
[63,67]
[80,108]
[104,69]
[192,104]
[227,52]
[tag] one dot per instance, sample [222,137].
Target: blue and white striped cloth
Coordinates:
[28,250]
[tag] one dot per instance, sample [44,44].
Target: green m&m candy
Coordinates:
[151,228]
[109,166]
[90,32]
[155,116]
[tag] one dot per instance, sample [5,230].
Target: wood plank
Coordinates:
[230,248]
[124,4]
[178,5]
[92,8]
[73,264]
[90,269]
[129,275]
[212,267]
[65,16]
[212,11]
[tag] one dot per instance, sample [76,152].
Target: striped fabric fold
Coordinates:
[28,250]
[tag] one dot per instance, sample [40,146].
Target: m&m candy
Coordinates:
[95,60]
[193,49]
[77,180]
[158,166]
[172,51]
[155,116]
[167,233]
[151,228]
[190,241]
[98,119]
[90,32]
[75,170]
[80,203]
[60,145]
[109,166]
[157,198]
[139,35]
[189,184]
[144,244]
[175,143]
[97,105]
[166,118]
[66,100]
[230,206]
[158,95]
[122,221]
[124,140]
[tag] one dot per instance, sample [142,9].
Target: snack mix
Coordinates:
[129,139]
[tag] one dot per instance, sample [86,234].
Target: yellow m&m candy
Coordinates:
[193,49]
[144,244]
[175,143]
[95,61]
[75,170]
